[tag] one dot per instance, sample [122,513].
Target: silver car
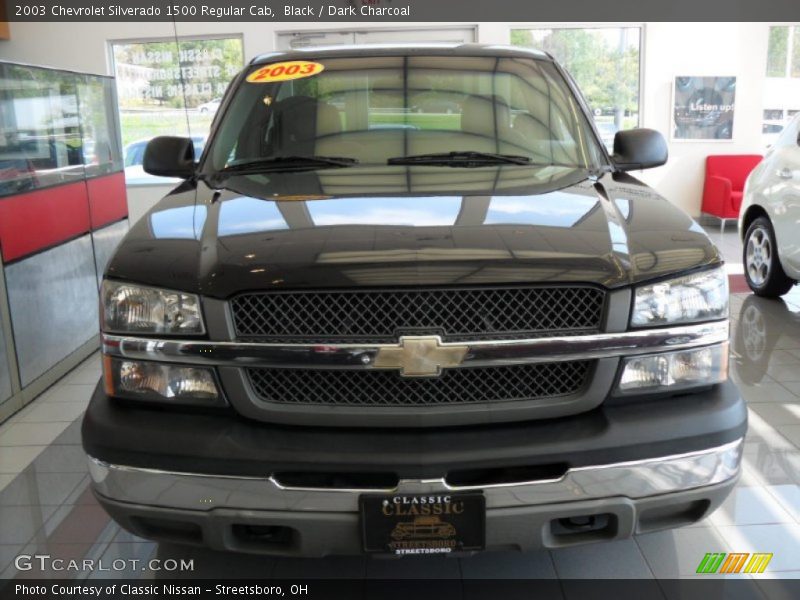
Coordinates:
[769,220]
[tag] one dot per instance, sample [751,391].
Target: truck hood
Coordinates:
[409,226]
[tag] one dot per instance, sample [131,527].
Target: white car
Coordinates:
[769,220]
[210,107]
[133,155]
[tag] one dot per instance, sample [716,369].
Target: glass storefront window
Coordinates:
[782,86]
[40,132]
[777,52]
[101,142]
[170,87]
[605,63]
[56,127]
[783,53]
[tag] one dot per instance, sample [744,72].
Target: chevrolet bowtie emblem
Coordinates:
[422,356]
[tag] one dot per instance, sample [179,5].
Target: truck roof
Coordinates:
[401,50]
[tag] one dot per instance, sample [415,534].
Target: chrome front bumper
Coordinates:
[214,511]
[636,479]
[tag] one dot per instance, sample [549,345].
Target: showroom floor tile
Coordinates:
[510,565]
[788,496]
[31,434]
[46,506]
[750,506]
[618,560]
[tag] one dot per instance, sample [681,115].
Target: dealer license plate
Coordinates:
[419,524]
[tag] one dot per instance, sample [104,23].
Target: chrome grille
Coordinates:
[381,316]
[389,388]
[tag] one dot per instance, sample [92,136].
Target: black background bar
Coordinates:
[403,10]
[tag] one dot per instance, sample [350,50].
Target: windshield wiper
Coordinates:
[288,163]
[460,159]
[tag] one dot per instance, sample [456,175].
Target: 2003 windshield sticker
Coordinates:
[296,69]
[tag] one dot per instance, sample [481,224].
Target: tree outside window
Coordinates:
[783,53]
[605,63]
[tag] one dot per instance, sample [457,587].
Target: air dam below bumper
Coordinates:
[224,481]
[219,511]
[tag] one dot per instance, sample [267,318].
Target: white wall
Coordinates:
[702,49]
[141,198]
[670,49]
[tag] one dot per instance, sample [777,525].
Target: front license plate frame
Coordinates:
[423,524]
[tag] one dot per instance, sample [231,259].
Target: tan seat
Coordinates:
[488,119]
[545,145]
[483,121]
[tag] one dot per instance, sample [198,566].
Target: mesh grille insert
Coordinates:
[380,316]
[388,388]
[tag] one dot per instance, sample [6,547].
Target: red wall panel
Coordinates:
[40,219]
[107,199]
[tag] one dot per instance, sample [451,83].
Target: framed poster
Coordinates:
[703,108]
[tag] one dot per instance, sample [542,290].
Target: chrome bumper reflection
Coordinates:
[636,479]
[363,356]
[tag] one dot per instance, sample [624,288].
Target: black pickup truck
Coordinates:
[364,324]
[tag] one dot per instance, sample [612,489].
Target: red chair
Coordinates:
[725,177]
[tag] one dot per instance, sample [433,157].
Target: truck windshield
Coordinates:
[394,110]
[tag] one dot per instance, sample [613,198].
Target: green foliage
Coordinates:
[777,51]
[145,125]
[522,37]
[419,120]
[607,73]
[778,58]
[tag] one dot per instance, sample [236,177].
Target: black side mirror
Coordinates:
[169,156]
[636,149]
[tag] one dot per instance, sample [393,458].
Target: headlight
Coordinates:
[673,371]
[129,308]
[158,382]
[698,297]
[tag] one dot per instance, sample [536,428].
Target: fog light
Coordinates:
[671,371]
[157,382]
